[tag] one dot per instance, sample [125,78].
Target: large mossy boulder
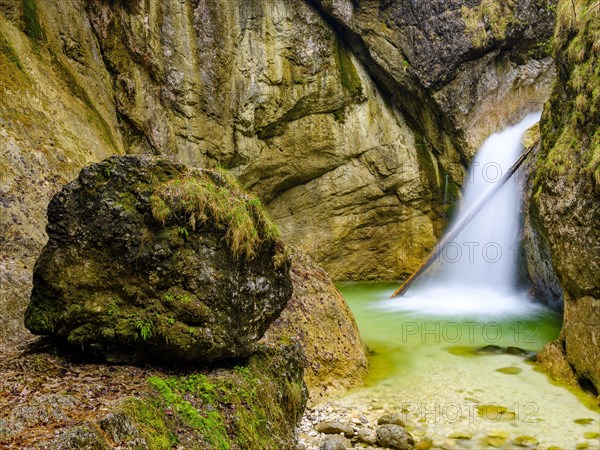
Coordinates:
[150,260]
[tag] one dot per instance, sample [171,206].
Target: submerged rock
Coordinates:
[460,436]
[510,370]
[494,441]
[497,350]
[149,260]
[526,441]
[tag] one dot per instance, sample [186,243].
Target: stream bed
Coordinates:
[454,385]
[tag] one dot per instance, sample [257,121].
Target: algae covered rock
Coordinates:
[150,260]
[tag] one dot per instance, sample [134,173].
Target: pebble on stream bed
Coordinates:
[334,427]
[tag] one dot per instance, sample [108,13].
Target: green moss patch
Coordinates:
[33,27]
[253,406]
[7,52]
[149,415]
[348,73]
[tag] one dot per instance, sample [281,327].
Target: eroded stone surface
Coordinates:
[319,319]
[564,207]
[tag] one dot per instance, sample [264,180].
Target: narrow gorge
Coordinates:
[182,183]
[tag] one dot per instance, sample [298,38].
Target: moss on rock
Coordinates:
[348,73]
[252,404]
[203,282]
[564,205]
[33,27]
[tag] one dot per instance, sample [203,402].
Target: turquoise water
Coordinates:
[430,370]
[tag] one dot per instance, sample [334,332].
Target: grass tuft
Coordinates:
[149,416]
[488,21]
[200,195]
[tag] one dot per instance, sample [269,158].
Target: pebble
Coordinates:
[463,436]
[333,427]
[367,436]
[390,419]
[335,442]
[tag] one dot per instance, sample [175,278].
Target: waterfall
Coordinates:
[476,274]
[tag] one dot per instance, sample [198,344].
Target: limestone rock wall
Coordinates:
[268,89]
[458,69]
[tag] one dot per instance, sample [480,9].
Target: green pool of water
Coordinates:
[435,373]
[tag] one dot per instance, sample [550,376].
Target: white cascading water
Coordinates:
[476,273]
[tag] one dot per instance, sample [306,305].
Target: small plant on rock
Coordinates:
[144,326]
[200,195]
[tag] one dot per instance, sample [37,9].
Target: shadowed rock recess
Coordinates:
[148,260]
[351,162]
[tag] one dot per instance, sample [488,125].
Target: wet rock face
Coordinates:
[535,260]
[447,63]
[564,205]
[116,281]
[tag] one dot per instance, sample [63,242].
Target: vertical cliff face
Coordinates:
[565,206]
[346,122]
[268,89]
[56,115]
[458,69]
